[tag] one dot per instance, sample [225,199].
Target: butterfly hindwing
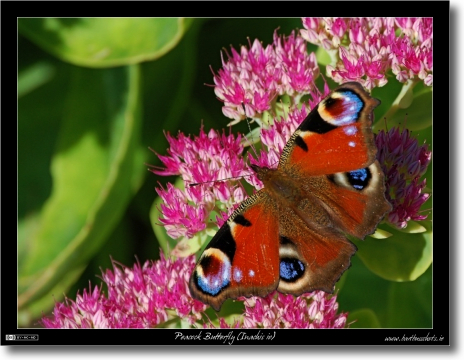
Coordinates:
[242,259]
[310,259]
[356,200]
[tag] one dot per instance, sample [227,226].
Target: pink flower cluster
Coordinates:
[138,297]
[209,159]
[254,77]
[316,310]
[157,293]
[369,47]
[403,162]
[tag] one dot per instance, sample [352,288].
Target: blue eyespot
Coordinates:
[214,272]
[291,269]
[359,179]
[353,105]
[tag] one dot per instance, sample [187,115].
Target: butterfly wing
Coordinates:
[332,156]
[336,136]
[340,189]
[310,259]
[242,259]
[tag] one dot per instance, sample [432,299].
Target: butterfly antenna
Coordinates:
[215,181]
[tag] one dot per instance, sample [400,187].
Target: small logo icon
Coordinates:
[22,337]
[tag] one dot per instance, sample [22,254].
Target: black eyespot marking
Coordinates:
[315,123]
[359,179]
[330,102]
[241,220]
[300,142]
[285,240]
[331,177]
[226,243]
[291,269]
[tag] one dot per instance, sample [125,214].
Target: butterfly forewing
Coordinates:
[242,259]
[336,136]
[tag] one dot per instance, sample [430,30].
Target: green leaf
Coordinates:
[105,42]
[363,319]
[387,95]
[406,99]
[381,234]
[413,227]
[95,169]
[39,121]
[401,257]
[416,116]
[363,290]
[410,304]
[27,314]
[34,76]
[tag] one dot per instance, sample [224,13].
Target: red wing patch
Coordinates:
[339,150]
[242,259]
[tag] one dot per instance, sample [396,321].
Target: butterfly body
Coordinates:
[290,235]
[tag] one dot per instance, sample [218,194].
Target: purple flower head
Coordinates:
[138,297]
[403,162]
[368,47]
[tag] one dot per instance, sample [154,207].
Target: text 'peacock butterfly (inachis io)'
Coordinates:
[289,235]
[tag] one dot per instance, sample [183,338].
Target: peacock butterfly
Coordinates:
[289,235]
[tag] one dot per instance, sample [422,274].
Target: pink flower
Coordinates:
[156,293]
[204,158]
[213,160]
[253,78]
[182,216]
[310,311]
[403,162]
[138,297]
[315,310]
[373,47]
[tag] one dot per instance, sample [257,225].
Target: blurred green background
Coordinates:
[93,95]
